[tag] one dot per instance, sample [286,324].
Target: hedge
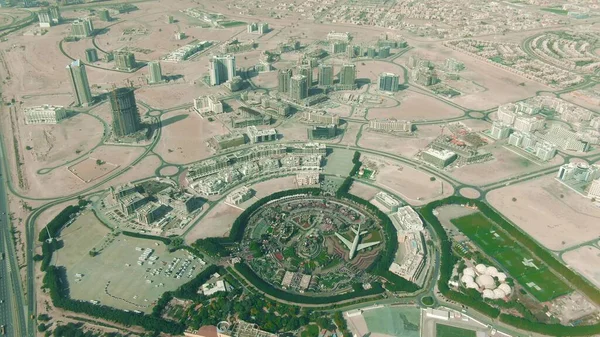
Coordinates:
[164,240]
[59,221]
[268,289]
[55,280]
[448,259]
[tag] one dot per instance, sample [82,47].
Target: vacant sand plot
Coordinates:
[407,146]
[216,223]
[416,107]
[144,169]
[364,191]
[266,80]
[271,186]
[113,277]
[163,96]
[91,169]
[350,134]
[585,260]
[184,137]
[293,132]
[506,164]
[412,185]
[539,210]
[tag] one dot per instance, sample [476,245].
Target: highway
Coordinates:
[12,314]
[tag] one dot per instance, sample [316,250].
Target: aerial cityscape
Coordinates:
[335,168]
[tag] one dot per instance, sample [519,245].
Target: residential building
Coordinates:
[208,103]
[55,16]
[284,77]
[325,75]
[82,28]
[389,202]
[347,77]
[388,82]
[515,139]
[45,114]
[154,72]
[384,52]
[564,139]
[500,130]
[406,219]
[260,136]
[306,70]
[545,150]
[321,117]
[44,18]
[438,158]
[337,36]
[298,87]
[239,196]
[323,131]
[528,123]
[126,118]
[390,125]
[91,55]
[222,69]
[124,60]
[223,142]
[79,83]
[338,47]
[104,15]
[453,65]
[258,28]
[579,172]
[307,178]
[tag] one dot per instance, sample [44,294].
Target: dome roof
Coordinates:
[498,293]
[480,268]
[501,277]
[488,294]
[466,279]
[505,288]
[486,281]
[469,271]
[471,285]
[492,271]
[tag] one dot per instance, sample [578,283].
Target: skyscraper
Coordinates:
[347,77]
[154,72]
[55,15]
[124,60]
[44,18]
[126,119]
[82,28]
[79,83]
[91,55]
[325,75]
[388,82]
[222,69]
[298,87]
[283,80]
[307,71]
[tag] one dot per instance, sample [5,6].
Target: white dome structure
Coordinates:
[501,277]
[492,271]
[505,288]
[488,294]
[471,285]
[498,293]
[486,281]
[480,268]
[466,279]
[469,271]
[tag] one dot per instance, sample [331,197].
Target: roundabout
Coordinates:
[312,244]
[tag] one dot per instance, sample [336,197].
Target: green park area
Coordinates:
[442,330]
[339,162]
[526,269]
[555,10]
[393,321]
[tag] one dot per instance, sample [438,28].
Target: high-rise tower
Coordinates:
[126,118]
[222,69]
[154,72]
[283,80]
[79,83]
[298,87]
[347,77]
[307,71]
[325,75]
[388,82]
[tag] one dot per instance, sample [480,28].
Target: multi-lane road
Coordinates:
[12,314]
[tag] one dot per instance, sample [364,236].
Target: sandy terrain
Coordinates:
[293,132]
[372,69]
[415,106]
[183,139]
[404,146]
[557,223]
[364,191]
[216,223]
[163,96]
[271,186]
[585,260]
[506,164]
[144,169]
[468,192]
[412,185]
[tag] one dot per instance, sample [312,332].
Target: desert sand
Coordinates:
[585,260]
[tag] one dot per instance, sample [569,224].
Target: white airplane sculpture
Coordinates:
[354,246]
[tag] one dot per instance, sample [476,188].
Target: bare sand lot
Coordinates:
[372,69]
[557,223]
[216,223]
[350,134]
[58,144]
[412,185]
[91,169]
[407,146]
[271,186]
[342,110]
[501,86]
[144,169]
[163,96]
[506,164]
[266,80]
[184,136]
[417,107]
[293,132]
[585,260]
[364,191]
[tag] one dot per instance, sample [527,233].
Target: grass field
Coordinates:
[528,271]
[339,162]
[394,321]
[442,330]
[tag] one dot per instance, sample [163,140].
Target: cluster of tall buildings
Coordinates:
[422,71]
[520,116]
[297,86]
[50,16]
[582,174]
[258,28]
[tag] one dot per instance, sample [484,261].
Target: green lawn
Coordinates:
[555,10]
[528,271]
[450,331]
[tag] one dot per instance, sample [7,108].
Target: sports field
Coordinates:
[393,321]
[529,272]
[442,330]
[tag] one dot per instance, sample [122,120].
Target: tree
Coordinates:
[99,162]
[514,199]
[432,179]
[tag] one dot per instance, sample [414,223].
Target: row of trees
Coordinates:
[59,221]
[449,259]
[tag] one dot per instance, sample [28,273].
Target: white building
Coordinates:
[594,191]
[259,136]
[209,289]
[44,114]
[564,139]
[528,123]
[406,219]
[391,124]
[44,18]
[388,201]
[222,69]
[545,150]
[337,36]
[307,178]
[239,196]
[580,172]
[208,104]
[500,130]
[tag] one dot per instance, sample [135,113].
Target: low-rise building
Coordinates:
[259,136]
[438,158]
[45,114]
[239,196]
[579,172]
[323,131]
[321,117]
[390,125]
[388,201]
[223,142]
[594,190]
[307,178]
